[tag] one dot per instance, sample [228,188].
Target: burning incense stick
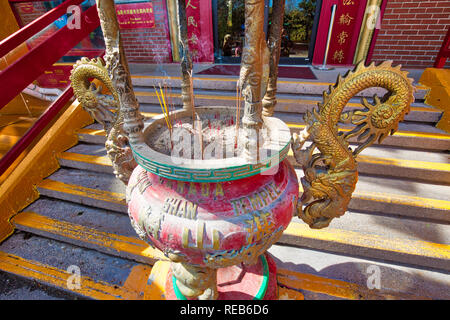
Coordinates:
[191,88]
[238,110]
[172,106]
[168,111]
[162,109]
[164,102]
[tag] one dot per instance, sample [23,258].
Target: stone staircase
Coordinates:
[397,225]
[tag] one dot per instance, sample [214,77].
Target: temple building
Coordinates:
[410,33]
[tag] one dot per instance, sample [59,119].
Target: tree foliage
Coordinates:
[299,21]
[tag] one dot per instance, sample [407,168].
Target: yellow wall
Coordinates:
[438,80]
[9,23]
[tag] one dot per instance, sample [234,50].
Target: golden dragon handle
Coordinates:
[104,110]
[99,106]
[124,126]
[329,163]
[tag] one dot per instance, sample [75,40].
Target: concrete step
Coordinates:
[13,287]
[373,193]
[111,242]
[382,161]
[102,276]
[84,195]
[411,135]
[299,269]
[228,83]
[370,236]
[409,164]
[352,277]
[343,235]
[384,238]
[23,270]
[286,102]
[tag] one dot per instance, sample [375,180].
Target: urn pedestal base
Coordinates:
[238,282]
[156,285]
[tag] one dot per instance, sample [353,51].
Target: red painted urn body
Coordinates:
[214,217]
[213,225]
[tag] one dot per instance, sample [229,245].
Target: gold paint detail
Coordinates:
[200,242]
[259,226]
[180,208]
[371,17]
[219,189]
[144,182]
[247,254]
[256,201]
[200,234]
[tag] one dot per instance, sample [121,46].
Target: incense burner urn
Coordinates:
[216,211]
[214,218]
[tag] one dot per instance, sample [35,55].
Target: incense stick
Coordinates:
[164,101]
[191,89]
[238,107]
[172,106]
[169,114]
[162,108]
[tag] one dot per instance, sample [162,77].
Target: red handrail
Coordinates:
[444,52]
[26,69]
[14,40]
[35,130]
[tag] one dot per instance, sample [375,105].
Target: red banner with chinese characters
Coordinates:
[347,24]
[199,27]
[135,15]
[56,76]
[346,27]
[25,7]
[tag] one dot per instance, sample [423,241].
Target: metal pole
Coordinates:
[330,30]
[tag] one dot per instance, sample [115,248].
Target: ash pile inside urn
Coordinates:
[218,138]
[217,141]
